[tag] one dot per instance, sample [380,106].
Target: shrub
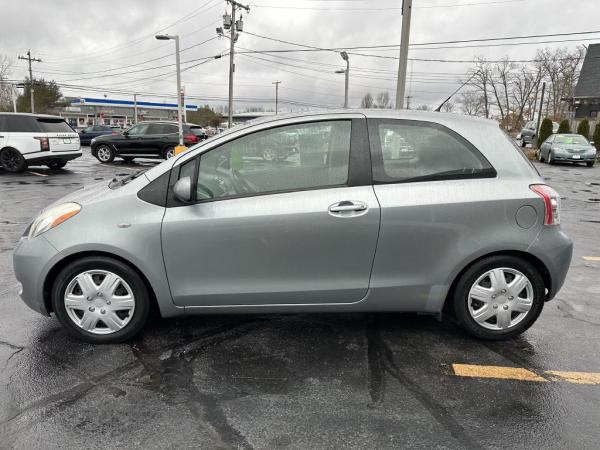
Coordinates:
[596,137]
[584,128]
[564,127]
[545,131]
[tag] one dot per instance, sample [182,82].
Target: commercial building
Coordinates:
[84,111]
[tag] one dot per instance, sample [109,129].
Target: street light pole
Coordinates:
[402,63]
[347,77]
[166,37]
[276,83]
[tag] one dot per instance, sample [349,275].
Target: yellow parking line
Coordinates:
[592,258]
[575,377]
[506,373]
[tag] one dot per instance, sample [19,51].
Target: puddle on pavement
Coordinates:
[591,221]
[593,200]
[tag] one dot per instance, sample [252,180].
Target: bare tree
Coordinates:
[471,103]
[383,100]
[501,77]
[481,79]
[5,88]
[524,88]
[423,108]
[367,101]
[448,107]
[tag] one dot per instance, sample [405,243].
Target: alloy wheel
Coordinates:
[99,301]
[103,153]
[500,298]
[10,159]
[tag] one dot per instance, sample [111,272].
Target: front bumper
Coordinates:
[574,158]
[48,157]
[32,260]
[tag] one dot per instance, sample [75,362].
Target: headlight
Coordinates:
[52,218]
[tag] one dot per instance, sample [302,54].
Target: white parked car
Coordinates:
[34,140]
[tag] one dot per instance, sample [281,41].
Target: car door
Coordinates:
[295,232]
[422,172]
[131,142]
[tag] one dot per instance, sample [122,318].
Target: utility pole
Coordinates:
[29,59]
[135,111]
[403,61]
[541,105]
[276,83]
[229,23]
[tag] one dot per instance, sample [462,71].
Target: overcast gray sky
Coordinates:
[90,43]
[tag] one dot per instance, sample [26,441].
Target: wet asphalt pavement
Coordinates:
[297,381]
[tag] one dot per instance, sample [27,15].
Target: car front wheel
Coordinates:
[100,300]
[105,154]
[499,297]
[168,152]
[550,158]
[590,163]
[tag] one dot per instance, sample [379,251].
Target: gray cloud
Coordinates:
[76,39]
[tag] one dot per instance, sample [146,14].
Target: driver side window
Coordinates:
[138,130]
[303,156]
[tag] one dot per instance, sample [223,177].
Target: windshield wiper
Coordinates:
[115,183]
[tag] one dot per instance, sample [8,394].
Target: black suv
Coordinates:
[144,140]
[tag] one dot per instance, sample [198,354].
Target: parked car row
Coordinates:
[40,139]
[529,132]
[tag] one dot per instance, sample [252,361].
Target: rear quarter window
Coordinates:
[20,124]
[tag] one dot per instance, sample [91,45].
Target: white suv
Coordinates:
[36,139]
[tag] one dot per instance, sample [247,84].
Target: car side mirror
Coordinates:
[183,189]
[592,142]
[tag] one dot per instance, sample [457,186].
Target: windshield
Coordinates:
[54,125]
[570,139]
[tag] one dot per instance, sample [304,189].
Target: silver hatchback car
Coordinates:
[375,211]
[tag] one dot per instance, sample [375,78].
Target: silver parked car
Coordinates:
[465,226]
[573,148]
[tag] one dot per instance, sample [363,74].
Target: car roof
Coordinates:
[46,116]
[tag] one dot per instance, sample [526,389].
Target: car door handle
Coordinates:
[347,206]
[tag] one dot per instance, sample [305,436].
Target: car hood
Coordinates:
[86,194]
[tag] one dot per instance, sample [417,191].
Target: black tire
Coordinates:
[56,164]
[127,158]
[523,143]
[550,158]
[590,163]
[541,156]
[12,160]
[104,153]
[168,151]
[130,276]
[469,277]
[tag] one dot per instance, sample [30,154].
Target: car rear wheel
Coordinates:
[168,152]
[105,154]
[57,164]
[100,300]
[499,297]
[12,160]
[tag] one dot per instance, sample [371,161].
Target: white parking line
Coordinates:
[38,174]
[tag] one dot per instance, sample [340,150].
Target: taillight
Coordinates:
[551,203]
[44,143]
[191,138]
